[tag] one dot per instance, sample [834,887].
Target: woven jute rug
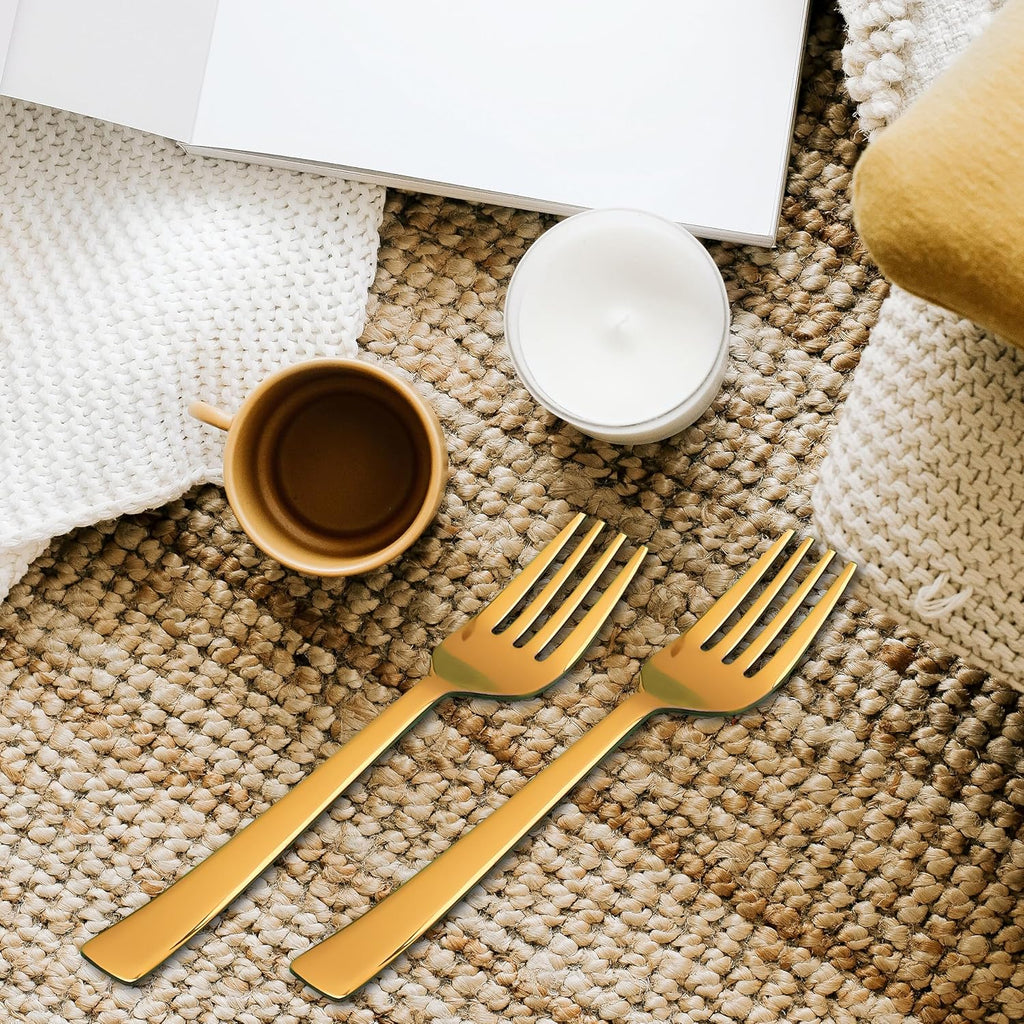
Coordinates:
[850,850]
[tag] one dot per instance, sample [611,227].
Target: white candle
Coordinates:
[617,321]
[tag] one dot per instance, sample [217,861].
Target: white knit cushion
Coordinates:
[134,279]
[923,483]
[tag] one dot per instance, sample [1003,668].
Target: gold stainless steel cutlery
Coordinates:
[690,675]
[486,658]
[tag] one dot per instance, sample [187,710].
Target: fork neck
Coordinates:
[399,715]
[614,729]
[642,704]
[429,690]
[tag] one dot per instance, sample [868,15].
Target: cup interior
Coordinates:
[334,467]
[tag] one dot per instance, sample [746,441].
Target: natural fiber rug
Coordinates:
[849,851]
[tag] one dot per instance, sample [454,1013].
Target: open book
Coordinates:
[681,108]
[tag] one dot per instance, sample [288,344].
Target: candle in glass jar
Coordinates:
[618,321]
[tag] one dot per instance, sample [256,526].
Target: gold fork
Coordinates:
[688,675]
[483,658]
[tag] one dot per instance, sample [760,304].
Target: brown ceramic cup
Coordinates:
[332,466]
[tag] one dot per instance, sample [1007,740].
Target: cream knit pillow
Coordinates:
[136,279]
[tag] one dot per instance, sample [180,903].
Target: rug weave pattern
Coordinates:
[849,851]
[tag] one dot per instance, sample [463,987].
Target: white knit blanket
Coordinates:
[133,279]
[923,483]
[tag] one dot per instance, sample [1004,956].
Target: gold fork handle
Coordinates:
[348,959]
[131,948]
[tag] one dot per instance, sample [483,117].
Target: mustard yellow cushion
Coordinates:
[939,195]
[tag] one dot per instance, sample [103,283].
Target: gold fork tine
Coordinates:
[526,618]
[577,641]
[515,591]
[560,616]
[757,609]
[763,640]
[783,661]
[713,619]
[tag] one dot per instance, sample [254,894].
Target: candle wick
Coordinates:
[619,325]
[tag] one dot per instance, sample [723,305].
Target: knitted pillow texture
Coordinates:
[923,479]
[136,279]
[938,194]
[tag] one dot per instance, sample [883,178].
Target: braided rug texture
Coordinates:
[849,851]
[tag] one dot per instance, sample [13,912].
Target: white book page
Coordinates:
[135,62]
[681,108]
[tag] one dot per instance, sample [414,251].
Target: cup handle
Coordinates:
[208,414]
